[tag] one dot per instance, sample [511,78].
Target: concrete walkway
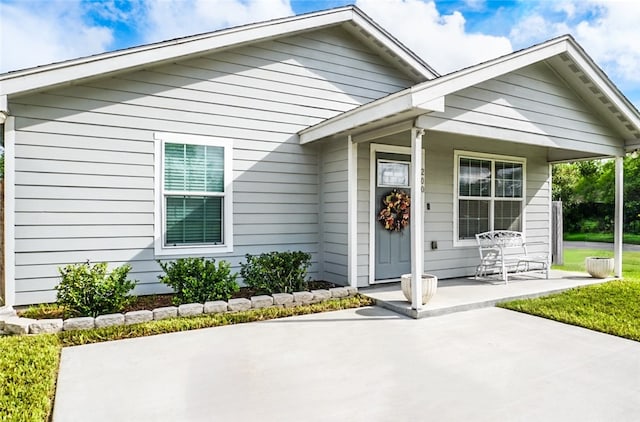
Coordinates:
[358,365]
[462,294]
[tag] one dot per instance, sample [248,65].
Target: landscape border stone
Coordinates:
[79,323]
[46,326]
[109,320]
[165,312]
[34,326]
[190,309]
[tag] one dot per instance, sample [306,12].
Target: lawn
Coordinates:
[601,237]
[611,308]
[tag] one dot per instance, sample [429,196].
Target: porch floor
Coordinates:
[462,294]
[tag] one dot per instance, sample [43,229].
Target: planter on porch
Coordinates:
[599,267]
[429,286]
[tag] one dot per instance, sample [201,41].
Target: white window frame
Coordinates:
[160,248]
[456,191]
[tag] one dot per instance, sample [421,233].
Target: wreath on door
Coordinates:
[394,215]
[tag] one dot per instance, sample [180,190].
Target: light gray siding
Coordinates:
[448,260]
[457,261]
[333,211]
[364,214]
[85,163]
[534,103]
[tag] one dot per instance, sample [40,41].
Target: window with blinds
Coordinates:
[489,194]
[193,194]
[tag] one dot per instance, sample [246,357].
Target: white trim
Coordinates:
[373,149]
[9,211]
[550,211]
[618,236]
[479,130]
[390,105]
[430,96]
[493,158]
[160,249]
[48,76]
[600,79]
[352,212]
[417,224]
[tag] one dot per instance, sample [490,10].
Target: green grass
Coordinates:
[574,261]
[28,372]
[29,364]
[611,307]
[601,237]
[75,338]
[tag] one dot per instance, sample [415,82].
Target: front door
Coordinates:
[392,248]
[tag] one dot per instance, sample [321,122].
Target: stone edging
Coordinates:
[13,324]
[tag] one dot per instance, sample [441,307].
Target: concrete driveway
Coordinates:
[358,365]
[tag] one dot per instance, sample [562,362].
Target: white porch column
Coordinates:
[417,219]
[9,211]
[618,217]
[352,212]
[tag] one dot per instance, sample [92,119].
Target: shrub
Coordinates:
[88,290]
[199,280]
[276,272]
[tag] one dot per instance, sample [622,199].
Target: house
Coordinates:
[303,124]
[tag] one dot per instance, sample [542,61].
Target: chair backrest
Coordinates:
[500,238]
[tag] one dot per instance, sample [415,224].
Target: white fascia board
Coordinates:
[431,123]
[601,81]
[364,114]
[431,104]
[388,106]
[103,64]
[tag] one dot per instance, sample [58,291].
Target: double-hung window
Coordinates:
[489,194]
[193,195]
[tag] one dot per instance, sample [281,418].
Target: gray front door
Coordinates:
[393,249]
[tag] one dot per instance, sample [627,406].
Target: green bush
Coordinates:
[88,290]
[276,272]
[199,280]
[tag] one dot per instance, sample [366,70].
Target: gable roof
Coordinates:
[563,54]
[350,18]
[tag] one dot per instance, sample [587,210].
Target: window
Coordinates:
[489,194]
[193,195]
[393,173]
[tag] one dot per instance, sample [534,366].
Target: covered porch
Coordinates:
[466,293]
[460,135]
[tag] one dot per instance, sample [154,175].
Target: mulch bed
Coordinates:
[158,301]
[151,302]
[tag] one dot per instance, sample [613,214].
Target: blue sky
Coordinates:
[448,34]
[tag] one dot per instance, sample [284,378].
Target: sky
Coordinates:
[447,34]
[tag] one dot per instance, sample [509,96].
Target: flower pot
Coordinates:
[429,286]
[599,267]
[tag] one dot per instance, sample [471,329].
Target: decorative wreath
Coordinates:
[394,215]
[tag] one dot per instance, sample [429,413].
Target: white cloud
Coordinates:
[175,18]
[441,40]
[475,4]
[40,32]
[608,30]
[36,33]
